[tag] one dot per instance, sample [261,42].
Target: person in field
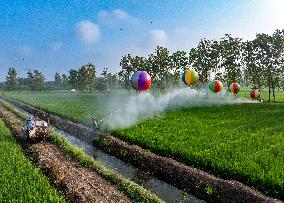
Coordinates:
[30,123]
[95,124]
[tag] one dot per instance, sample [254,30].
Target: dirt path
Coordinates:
[78,183]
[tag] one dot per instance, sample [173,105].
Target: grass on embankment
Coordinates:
[243,142]
[20,181]
[134,191]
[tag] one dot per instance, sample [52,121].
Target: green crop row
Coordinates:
[242,142]
[20,181]
[134,191]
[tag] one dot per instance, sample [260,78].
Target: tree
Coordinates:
[124,79]
[277,58]
[127,69]
[12,82]
[38,80]
[270,56]
[231,57]
[87,77]
[138,63]
[105,83]
[57,80]
[23,83]
[178,62]
[100,84]
[73,78]
[204,58]
[160,66]
[253,70]
[64,80]
[30,81]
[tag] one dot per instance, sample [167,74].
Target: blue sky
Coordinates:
[55,36]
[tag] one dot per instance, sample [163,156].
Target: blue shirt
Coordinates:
[29,123]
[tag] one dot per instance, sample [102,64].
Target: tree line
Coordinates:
[83,79]
[258,63]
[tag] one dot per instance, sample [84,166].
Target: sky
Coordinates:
[55,36]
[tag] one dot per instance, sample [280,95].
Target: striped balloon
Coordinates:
[215,86]
[141,80]
[234,88]
[190,77]
[254,94]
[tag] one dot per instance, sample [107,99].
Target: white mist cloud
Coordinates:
[120,14]
[88,32]
[155,38]
[24,51]
[145,105]
[56,45]
[116,16]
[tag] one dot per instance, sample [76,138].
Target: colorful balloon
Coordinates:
[190,77]
[254,94]
[234,88]
[141,80]
[215,86]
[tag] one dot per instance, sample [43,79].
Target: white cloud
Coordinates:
[120,14]
[24,51]
[88,31]
[116,16]
[156,37]
[104,16]
[56,45]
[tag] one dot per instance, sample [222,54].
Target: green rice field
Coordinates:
[242,141]
[20,181]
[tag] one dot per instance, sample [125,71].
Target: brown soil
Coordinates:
[197,182]
[78,183]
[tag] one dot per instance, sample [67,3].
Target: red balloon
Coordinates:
[254,94]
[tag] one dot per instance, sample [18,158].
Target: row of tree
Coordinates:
[259,63]
[33,81]
[83,79]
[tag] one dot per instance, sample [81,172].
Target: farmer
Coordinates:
[95,124]
[30,123]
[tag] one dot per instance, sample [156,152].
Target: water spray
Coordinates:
[95,123]
[146,105]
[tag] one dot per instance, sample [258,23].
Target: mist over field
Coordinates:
[145,105]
